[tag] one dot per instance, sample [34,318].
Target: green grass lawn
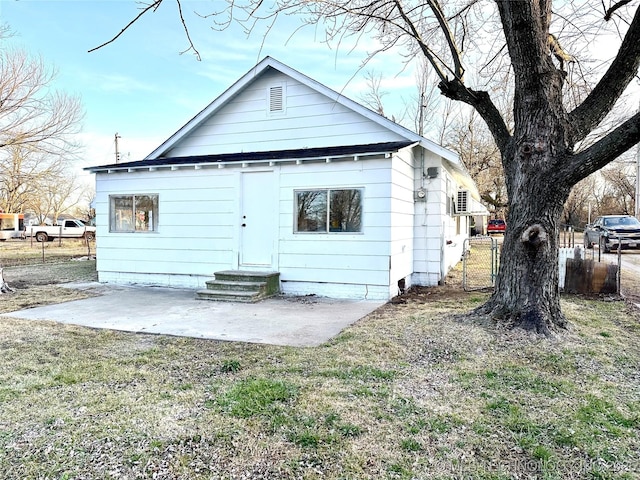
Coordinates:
[413,391]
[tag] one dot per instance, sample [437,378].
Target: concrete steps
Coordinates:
[241,286]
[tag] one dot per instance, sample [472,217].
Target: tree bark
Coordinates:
[527,294]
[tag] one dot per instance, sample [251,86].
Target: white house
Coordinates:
[281,173]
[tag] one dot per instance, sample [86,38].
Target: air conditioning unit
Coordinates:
[463,202]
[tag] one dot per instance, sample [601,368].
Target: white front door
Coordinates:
[257,219]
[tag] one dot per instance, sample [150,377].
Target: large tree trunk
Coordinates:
[527,293]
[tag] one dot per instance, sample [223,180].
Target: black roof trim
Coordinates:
[322,152]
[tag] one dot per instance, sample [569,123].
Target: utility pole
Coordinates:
[117,151]
[637,199]
[421,115]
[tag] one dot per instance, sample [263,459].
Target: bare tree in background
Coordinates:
[372,97]
[551,139]
[85,209]
[472,141]
[576,208]
[37,126]
[431,114]
[461,130]
[31,113]
[425,112]
[620,181]
[56,195]
[22,170]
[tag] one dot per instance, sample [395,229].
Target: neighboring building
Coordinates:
[281,173]
[11,225]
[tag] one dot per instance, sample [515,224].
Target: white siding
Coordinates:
[309,120]
[402,220]
[428,221]
[197,225]
[350,265]
[198,229]
[438,245]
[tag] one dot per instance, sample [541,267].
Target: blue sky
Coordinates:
[141,87]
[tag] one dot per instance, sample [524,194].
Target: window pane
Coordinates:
[146,206]
[312,211]
[7,223]
[346,211]
[121,214]
[130,213]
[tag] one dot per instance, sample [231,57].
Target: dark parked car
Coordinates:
[613,230]
[496,226]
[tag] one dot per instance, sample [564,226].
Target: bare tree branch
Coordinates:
[152,6]
[428,53]
[611,10]
[453,48]
[603,97]
[186,32]
[603,152]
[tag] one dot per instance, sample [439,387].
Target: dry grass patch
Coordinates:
[37,285]
[23,252]
[415,390]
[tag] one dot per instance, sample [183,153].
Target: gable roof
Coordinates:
[162,157]
[271,63]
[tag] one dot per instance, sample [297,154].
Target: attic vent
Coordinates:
[462,205]
[276,99]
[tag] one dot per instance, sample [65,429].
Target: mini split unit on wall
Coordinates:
[463,201]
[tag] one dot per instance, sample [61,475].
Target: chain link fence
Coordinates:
[480,263]
[586,271]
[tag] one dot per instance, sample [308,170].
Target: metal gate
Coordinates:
[479,263]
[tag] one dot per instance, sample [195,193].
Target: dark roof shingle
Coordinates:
[293,154]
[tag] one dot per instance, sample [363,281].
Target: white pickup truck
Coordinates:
[66,229]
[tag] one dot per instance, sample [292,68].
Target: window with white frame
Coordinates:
[328,210]
[133,213]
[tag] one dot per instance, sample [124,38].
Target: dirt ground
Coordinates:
[40,284]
